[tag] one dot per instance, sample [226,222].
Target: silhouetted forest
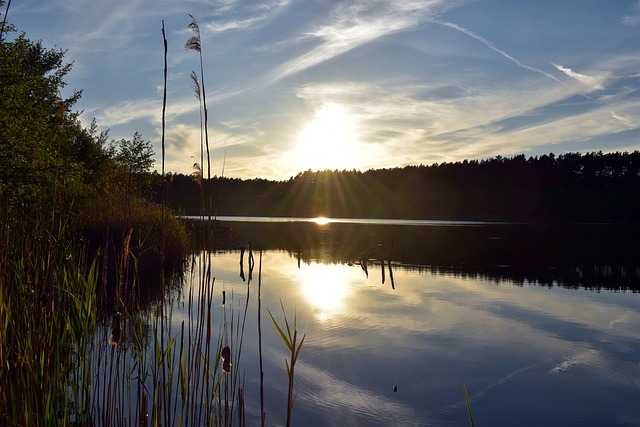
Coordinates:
[568,187]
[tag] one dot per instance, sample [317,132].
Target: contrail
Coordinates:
[490,45]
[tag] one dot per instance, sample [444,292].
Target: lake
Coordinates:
[540,321]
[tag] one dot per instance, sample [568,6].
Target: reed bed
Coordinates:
[71,359]
[48,296]
[146,372]
[82,344]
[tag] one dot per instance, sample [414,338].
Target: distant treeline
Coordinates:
[568,187]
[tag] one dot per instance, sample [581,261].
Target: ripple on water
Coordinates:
[566,383]
[337,402]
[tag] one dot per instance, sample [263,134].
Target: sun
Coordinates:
[329,141]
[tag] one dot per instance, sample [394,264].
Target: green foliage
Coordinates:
[56,179]
[133,163]
[291,341]
[49,162]
[46,157]
[135,155]
[106,222]
[47,312]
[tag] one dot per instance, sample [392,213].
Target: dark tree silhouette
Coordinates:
[568,187]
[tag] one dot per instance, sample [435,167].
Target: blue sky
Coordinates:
[312,84]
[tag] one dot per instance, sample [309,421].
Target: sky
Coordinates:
[293,85]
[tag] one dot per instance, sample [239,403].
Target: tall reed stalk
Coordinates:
[4,19]
[164,110]
[291,341]
[195,43]
[198,166]
[262,412]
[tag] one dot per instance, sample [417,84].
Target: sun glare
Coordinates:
[321,220]
[329,141]
[326,288]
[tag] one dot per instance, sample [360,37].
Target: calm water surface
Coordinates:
[528,354]
[541,324]
[323,220]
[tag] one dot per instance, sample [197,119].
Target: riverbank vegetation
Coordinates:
[58,176]
[75,209]
[87,257]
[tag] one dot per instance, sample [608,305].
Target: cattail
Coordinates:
[226,359]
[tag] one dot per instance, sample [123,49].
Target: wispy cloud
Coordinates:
[633,18]
[593,83]
[104,27]
[85,26]
[491,46]
[269,5]
[125,112]
[218,27]
[250,15]
[397,117]
[143,109]
[583,127]
[626,120]
[354,24]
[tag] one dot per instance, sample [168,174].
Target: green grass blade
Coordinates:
[466,400]
[286,322]
[300,347]
[282,334]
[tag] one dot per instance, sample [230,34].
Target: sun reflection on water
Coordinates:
[326,288]
[321,220]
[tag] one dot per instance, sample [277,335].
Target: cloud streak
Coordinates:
[634,17]
[264,10]
[351,25]
[491,46]
[444,129]
[592,82]
[132,110]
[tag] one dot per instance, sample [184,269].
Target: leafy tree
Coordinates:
[134,159]
[46,157]
[135,155]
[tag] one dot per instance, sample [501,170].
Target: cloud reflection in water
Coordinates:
[516,347]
